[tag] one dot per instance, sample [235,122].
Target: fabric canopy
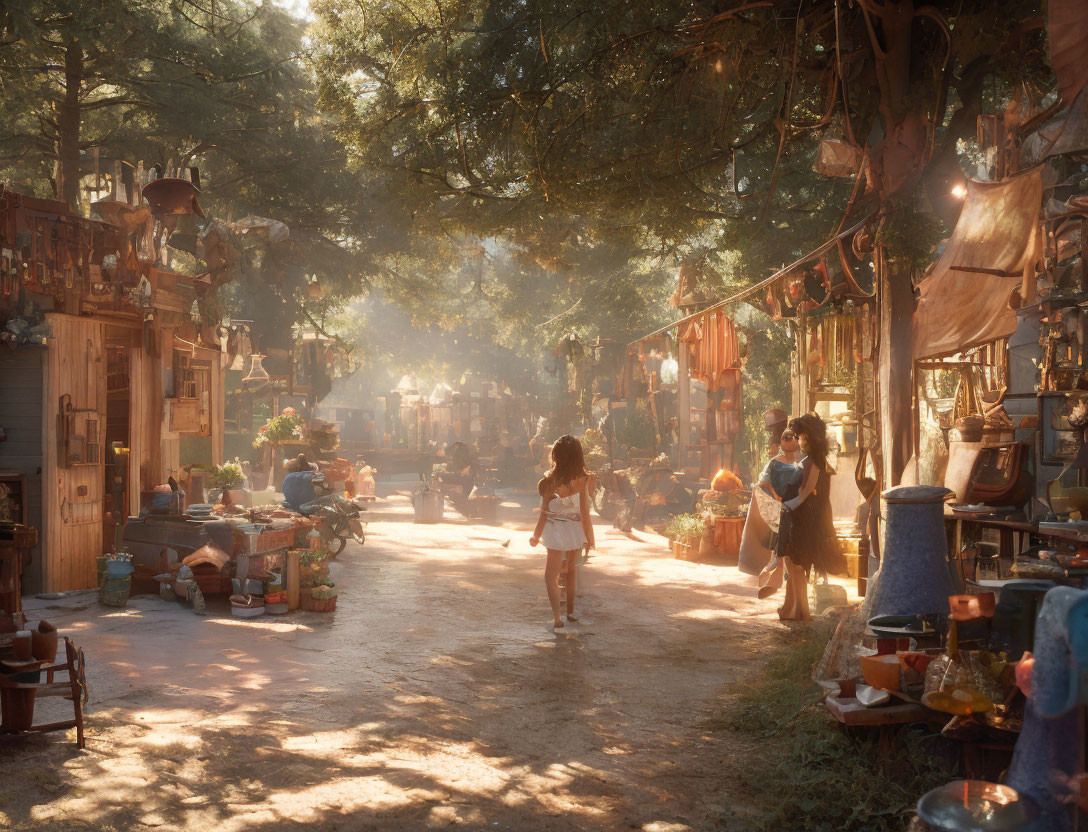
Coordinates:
[965,301]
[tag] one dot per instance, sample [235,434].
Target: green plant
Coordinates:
[685,528]
[809,774]
[227,476]
[283,428]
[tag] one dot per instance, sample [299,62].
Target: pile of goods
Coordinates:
[317,590]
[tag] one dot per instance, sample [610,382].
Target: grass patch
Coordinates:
[810,775]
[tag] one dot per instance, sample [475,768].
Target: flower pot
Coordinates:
[43,642]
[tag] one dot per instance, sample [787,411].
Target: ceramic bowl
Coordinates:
[881,671]
[870,697]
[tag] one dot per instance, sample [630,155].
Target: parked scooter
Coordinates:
[337,518]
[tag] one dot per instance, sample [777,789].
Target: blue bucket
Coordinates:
[118,569]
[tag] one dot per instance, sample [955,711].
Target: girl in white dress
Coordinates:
[564,526]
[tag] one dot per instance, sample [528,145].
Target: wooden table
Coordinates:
[887,719]
[1012,532]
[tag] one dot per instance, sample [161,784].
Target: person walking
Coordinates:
[564,525]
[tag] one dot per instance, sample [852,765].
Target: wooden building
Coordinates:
[96,405]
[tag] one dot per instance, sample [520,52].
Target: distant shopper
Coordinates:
[564,526]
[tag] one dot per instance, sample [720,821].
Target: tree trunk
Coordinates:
[68,114]
[898,161]
[895,376]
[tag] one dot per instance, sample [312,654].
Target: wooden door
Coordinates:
[72,494]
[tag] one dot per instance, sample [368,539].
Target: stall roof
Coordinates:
[763,284]
[964,302]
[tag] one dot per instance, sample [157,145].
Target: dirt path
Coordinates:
[435,696]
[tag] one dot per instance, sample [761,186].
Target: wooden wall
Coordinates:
[145,418]
[75,364]
[21,418]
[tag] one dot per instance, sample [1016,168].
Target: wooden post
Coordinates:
[683,420]
[294,568]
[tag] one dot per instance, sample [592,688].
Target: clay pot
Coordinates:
[968,607]
[22,645]
[881,671]
[44,642]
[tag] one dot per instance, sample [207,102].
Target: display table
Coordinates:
[887,719]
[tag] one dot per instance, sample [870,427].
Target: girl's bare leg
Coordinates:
[796,606]
[572,577]
[551,581]
[788,610]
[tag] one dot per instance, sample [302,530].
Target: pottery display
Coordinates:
[914,576]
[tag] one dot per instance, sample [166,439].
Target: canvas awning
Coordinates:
[965,301]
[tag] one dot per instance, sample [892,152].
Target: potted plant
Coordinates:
[286,427]
[684,532]
[229,478]
[278,430]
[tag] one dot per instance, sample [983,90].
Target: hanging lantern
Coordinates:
[258,375]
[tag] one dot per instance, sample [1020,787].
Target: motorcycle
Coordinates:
[337,520]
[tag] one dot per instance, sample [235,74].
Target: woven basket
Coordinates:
[114,592]
[314,605]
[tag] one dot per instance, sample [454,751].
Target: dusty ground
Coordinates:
[435,696]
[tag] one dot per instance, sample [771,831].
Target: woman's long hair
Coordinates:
[568,465]
[815,431]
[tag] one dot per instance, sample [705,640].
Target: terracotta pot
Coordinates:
[968,607]
[881,671]
[22,644]
[44,642]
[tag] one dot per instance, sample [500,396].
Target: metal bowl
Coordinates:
[975,806]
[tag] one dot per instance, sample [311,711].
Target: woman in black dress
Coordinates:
[810,541]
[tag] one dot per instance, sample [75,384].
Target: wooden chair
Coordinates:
[20,697]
